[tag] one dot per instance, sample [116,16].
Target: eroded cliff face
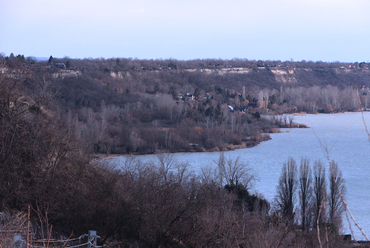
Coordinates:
[287,76]
[66,73]
[266,77]
[27,72]
[319,76]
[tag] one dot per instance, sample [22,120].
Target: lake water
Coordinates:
[342,135]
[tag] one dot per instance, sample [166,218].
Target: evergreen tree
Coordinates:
[51,60]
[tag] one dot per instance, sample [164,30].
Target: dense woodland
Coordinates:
[55,114]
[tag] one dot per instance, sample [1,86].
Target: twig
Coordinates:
[362,111]
[344,202]
[350,228]
[363,118]
[28,226]
[340,194]
[318,227]
[326,228]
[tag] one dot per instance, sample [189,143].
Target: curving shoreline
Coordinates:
[226,147]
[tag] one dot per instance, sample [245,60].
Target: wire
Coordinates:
[79,245]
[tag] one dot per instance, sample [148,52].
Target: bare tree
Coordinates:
[221,165]
[233,172]
[287,189]
[305,190]
[337,187]
[285,119]
[208,174]
[135,140]
[166,162]
[319,190]
[260,99]
[291,118]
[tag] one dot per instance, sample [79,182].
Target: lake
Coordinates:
[342,136]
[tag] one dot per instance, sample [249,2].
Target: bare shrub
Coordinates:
[10,225]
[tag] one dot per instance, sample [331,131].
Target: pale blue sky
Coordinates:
[327,30]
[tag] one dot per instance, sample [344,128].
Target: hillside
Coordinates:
[145,106]
[53,118]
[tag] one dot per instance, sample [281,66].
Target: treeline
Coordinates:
[315,99]
[206,73]
[157,64]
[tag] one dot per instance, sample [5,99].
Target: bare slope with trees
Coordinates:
[51,121]
[125,106]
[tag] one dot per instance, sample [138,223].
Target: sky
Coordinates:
[311,30]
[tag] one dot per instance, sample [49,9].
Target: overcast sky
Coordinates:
[326,30]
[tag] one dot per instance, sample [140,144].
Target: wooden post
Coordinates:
[92,239]
[51,228]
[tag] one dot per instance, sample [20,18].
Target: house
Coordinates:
[188,95]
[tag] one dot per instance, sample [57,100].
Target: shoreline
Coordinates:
[226,147]
[222,148]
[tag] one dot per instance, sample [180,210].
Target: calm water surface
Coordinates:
[342,135]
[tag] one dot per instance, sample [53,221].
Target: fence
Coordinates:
[91,242]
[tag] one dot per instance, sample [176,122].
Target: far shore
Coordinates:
[224,148]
